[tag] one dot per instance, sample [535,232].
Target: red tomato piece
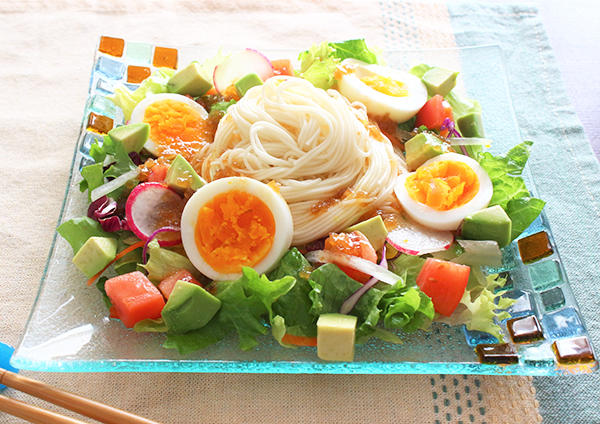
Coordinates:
[282,67]
[354,244]
[158,173]
[134,298]
[433,113]
[167,284]
[299,340]
[444,282]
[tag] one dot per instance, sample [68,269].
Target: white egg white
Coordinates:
[451,219]
[284,227]
[399,109]
[137,115]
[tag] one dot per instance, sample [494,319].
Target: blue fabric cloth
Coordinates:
[566,173]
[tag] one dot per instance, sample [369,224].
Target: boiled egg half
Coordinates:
[444,190]
[234,222]
[177,124]
[384,91]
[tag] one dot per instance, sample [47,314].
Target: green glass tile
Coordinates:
[538,356]
[553,299]
[544,275]
[139,52]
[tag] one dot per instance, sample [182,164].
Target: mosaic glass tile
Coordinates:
[535,247]
[475,338]
[88,140]
[553,299]
[563,323]
[497,354]
[538,356]
[573,350]
[112,46]
[99,123]
[525,329]
[508,261]
[139,52]
[103,106]
[105,87]
[85,161]
[523,303]
[165,57]
[544,274]
[110,68]
[132,87]
[136,74]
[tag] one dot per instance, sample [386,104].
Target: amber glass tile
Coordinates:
[524,330]
[136,74]
[165,57]
[573,350]
[534,247]
[99,123]
[497,354]
[112,46]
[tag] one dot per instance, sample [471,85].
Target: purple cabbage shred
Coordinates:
[104,211]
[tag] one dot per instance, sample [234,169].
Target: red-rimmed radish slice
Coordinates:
[151,206]
[354,262]
[414,239]
[241,64]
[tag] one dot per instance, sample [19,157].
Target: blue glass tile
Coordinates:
[85,161]
[538,356]
[553,299]
[105,87]
[523,304]
[88,140]
[564,323]
[544,274]
[139,52]
[132,87]
[6,353]
[475,338]
[103,106]
[111,69]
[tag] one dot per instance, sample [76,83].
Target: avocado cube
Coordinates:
[246,83]
[181,175]
[190,81]
[132,136]
[335,337]
[488,224]
[95,254]
[423,147]
[439,81]
[189,307]
[373,229]
[471,125]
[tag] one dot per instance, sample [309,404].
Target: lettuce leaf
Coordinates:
[156,83]
[409,266]
[510,191]
[356,49]
[406,308]
[462,105]
[294,307]
[163,262]
[93,176]
[76,231]
[150,326]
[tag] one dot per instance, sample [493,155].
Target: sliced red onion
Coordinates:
[349,303]
[354,262]
[153,235]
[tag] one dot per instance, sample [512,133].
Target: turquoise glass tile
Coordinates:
[544,275]
[103,106]
[475,338]
[111,69]
[564,323]
[537,356]
[508,261]
[139,52]
[6,353]
[105,87]
[85,161]
[553,299]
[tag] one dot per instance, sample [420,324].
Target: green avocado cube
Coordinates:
[471,125]
[373,228]
[189,307]
[335,337]
[423,147]
[246,83]
[95,254]
[182,176]
[488,224]
[190,81]
[439,81]
[132,136]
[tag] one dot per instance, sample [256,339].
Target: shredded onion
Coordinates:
[469,141]
[479,252]
[354,262]
[153,235]
[349,303]
[111,186]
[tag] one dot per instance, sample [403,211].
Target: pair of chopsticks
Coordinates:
[89,408]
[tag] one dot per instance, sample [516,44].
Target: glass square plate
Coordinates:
[68,329]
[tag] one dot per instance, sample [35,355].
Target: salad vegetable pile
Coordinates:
[199,242]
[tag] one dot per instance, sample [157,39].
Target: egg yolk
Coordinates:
[385,85]
[177,128]
[234,229]
[443,185]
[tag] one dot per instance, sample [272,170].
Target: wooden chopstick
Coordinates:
[33,414]
[89,408]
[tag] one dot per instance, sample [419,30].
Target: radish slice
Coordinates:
[151,206]
[414,239]
[354,262]
[239,65]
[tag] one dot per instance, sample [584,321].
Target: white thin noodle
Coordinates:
[314,143]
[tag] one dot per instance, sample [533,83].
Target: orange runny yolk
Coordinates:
[176,127]
[443,185]
[234,229]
